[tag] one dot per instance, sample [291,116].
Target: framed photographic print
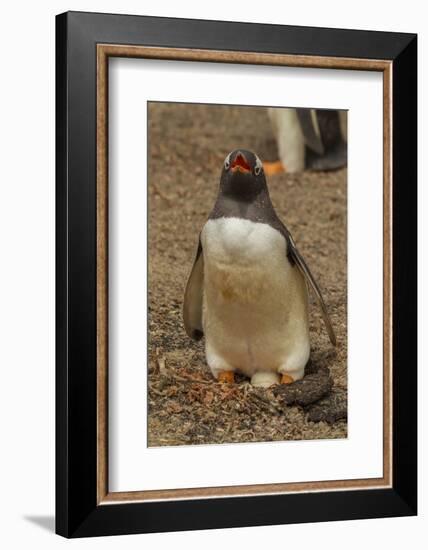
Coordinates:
[236,274]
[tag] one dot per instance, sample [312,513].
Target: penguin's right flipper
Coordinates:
[192,307]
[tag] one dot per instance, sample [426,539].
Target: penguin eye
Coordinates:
[258,167]
[227,162]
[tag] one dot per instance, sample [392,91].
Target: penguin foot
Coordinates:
[226,377]
[272,168]
[286,379]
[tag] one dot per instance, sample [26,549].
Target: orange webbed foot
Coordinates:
[226,377]
[272,168]
[286,379]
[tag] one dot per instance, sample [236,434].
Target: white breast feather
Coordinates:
[255,302]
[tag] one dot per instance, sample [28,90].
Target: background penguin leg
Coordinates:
[290,142]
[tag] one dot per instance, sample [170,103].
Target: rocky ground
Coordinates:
[187,146]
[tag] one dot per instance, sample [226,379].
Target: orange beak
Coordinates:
[240,164]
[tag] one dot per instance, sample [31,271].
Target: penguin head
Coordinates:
[242,177]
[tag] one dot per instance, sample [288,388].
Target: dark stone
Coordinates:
[316,384]
[331,408]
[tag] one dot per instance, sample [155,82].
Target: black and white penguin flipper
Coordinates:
[193,296]
[311,282]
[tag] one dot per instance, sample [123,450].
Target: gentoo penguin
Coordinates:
[313,139]
[247,291]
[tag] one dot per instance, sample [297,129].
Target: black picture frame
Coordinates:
[77,512]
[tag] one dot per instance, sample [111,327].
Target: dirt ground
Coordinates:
[187,146]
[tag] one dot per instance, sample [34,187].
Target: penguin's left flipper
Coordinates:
[304,269]
[192,307]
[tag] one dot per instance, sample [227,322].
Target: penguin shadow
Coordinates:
[316,384]
[45,522]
